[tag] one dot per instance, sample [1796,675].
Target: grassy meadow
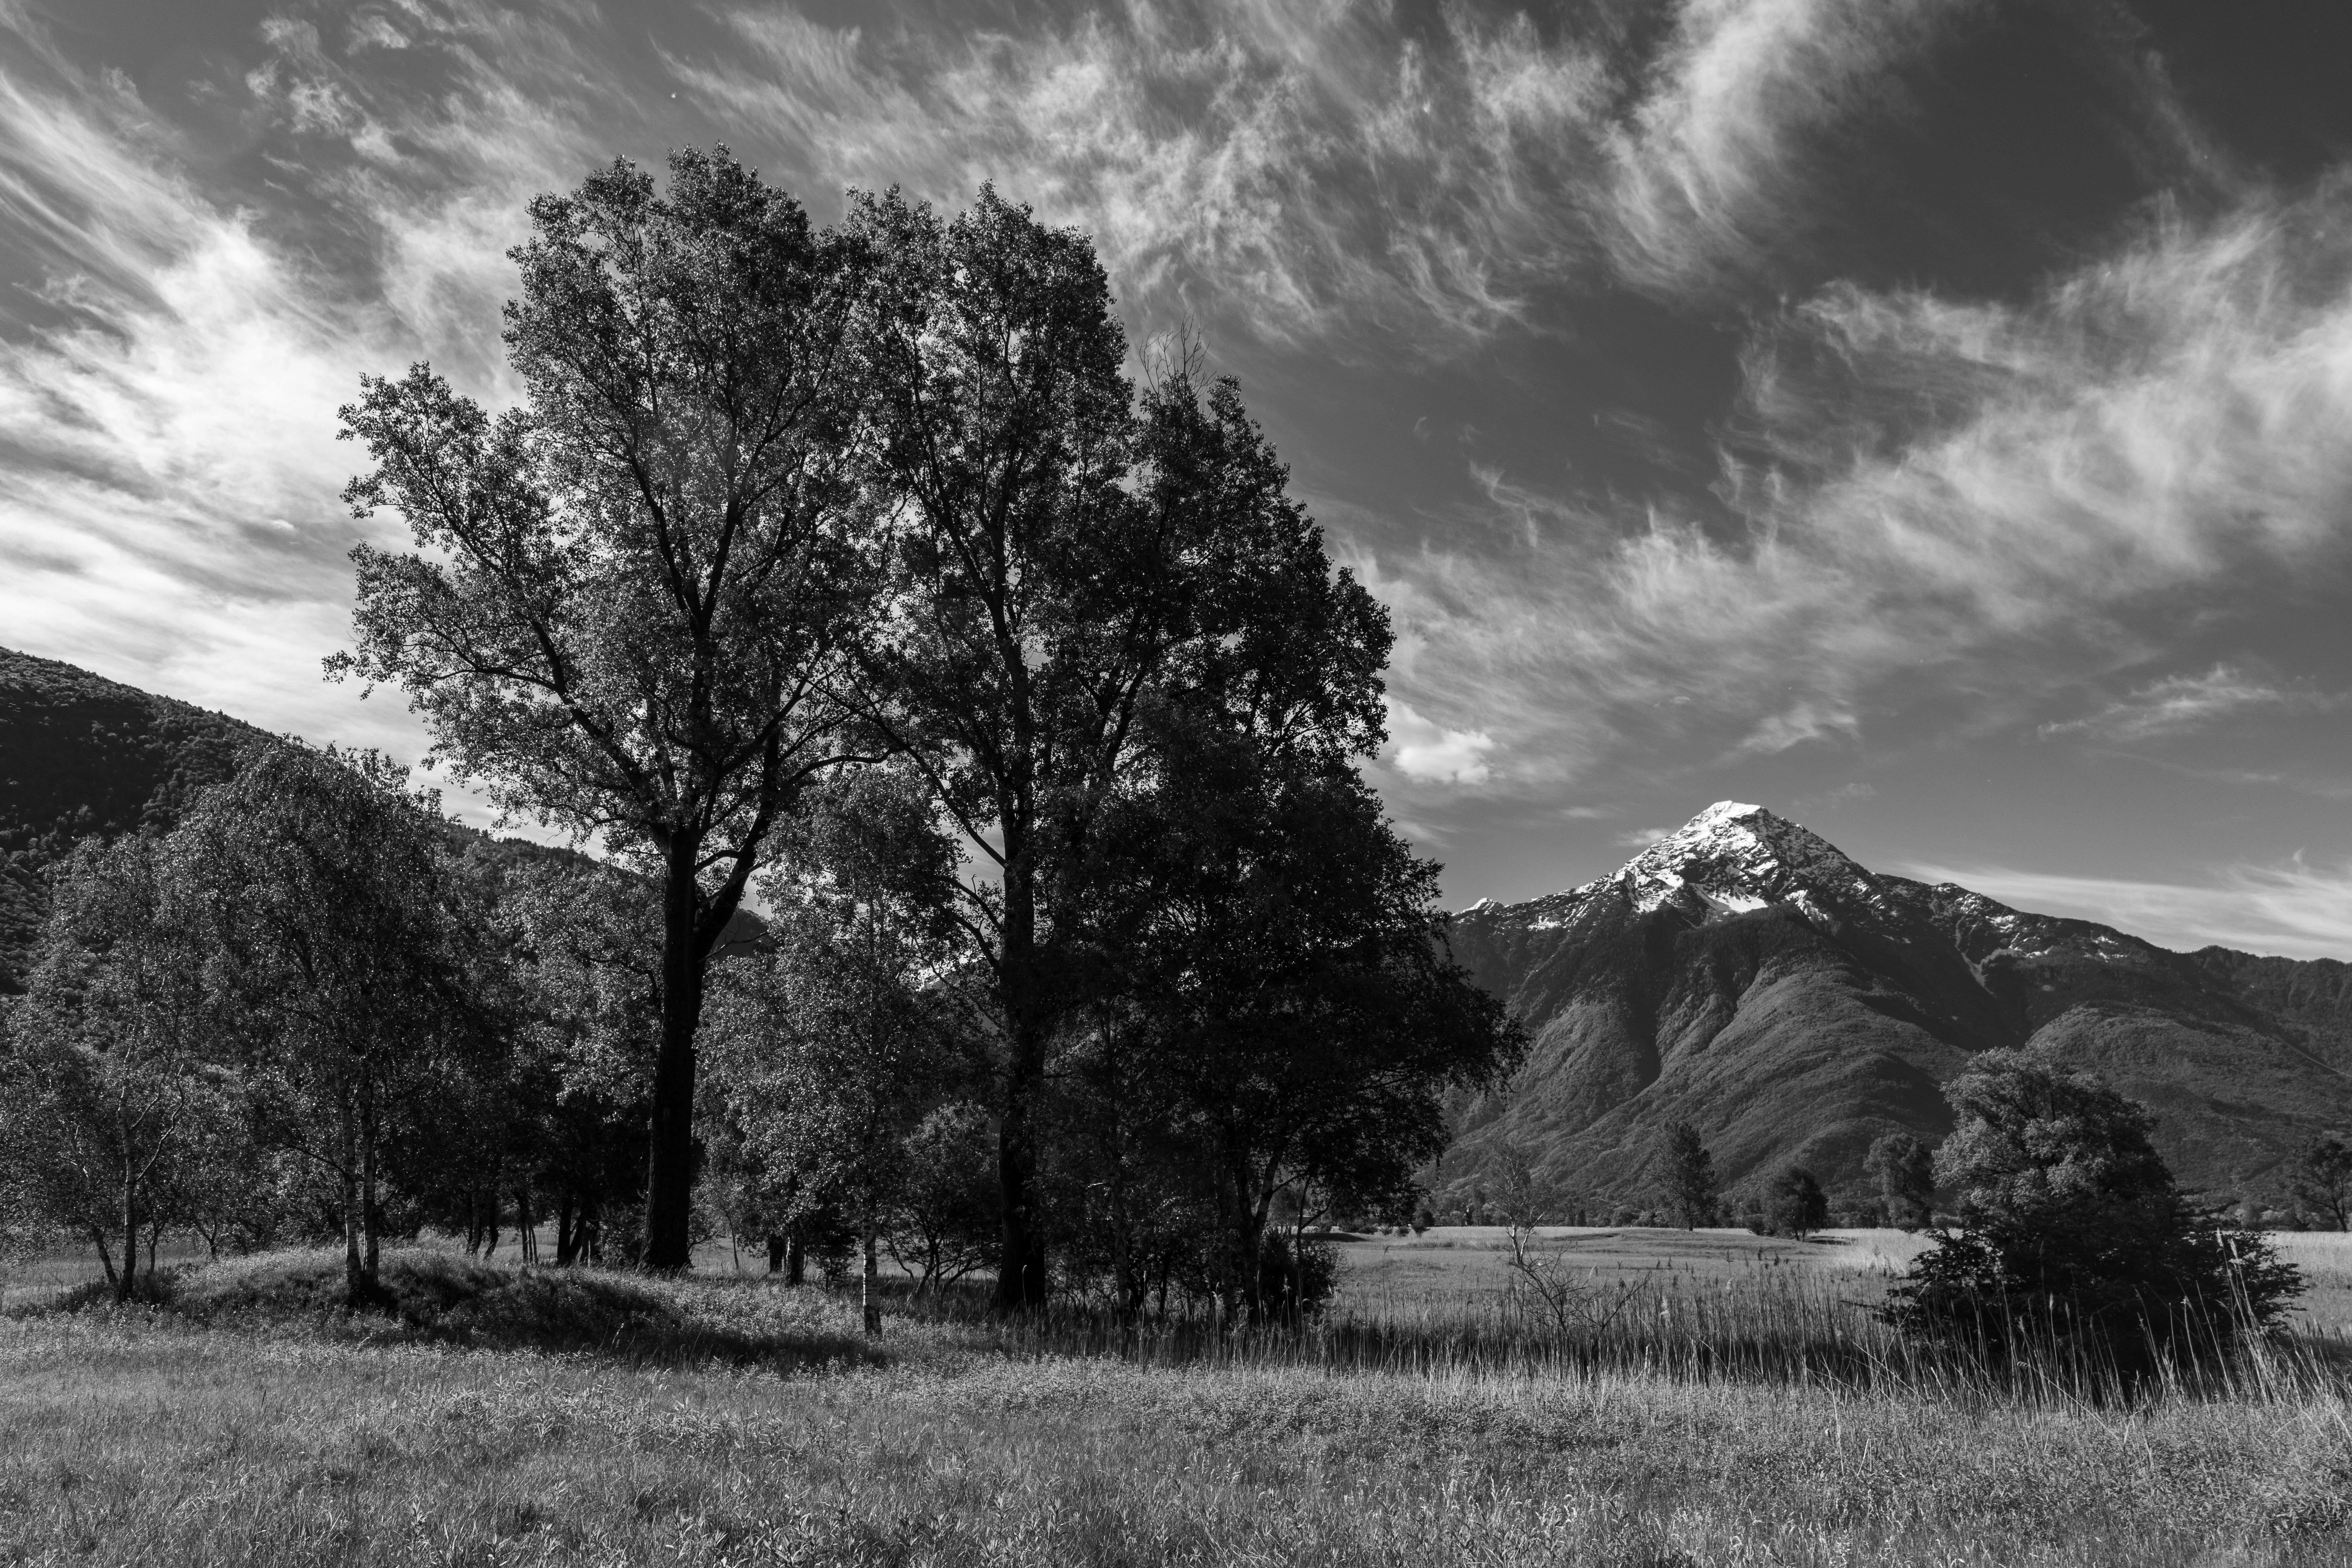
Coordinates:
[1739,1409]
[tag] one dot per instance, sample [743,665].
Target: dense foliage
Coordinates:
[2074,1234]
[849,572]
[86,757]
[1904,1168]
[2320,1181]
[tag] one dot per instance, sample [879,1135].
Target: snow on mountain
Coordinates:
[1734,857]
[1730,858]
[1745,976]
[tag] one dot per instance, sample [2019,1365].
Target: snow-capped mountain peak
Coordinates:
[1735,856]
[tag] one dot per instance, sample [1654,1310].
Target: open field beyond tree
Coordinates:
[543,1416]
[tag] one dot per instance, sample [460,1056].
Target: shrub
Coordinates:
[1298,1285]
[2075,1236]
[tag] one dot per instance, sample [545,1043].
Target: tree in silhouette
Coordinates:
[2321,1179]
[1689,1177]
[631,593]
[1062,553]
[1311,1014]
[1906,1169]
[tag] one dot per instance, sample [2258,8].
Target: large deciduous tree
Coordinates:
[1064,555]
[1276,943]
[631,592]
[1035,598]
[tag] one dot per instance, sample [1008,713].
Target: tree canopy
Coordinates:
[2074,1233]
[632,595]
[849,574]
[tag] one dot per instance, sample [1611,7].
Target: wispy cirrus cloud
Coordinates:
[168,509]
[1710,177]
[2295,910]
[1308,172]
[1981,496]
[2186,704]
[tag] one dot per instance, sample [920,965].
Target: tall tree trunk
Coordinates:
[796,1261]
[868,1296]
[106,1258]
[1243,1223]
[669,1177]
[370,1215]
[1125,1272]
[355,1294]
[1020,1258]
[128,1283]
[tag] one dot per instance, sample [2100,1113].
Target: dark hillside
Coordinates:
[80,754]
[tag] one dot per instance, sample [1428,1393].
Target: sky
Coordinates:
[1931,419]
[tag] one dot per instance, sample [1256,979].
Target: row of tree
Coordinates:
[1908,1172]
[847,571]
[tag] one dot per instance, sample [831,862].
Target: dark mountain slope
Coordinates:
[80,755]
[1744,976]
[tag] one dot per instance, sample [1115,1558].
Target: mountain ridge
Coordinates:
[1746,975]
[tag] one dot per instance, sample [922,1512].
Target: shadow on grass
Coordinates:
[427,1297]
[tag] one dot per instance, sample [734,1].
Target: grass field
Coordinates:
[527,1416]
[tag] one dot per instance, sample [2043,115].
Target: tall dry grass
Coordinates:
[511,1419]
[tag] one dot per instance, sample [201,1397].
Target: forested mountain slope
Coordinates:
[1746,976]
[80,754]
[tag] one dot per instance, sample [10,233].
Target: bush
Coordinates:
[1296,1286]
[2075,1236]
